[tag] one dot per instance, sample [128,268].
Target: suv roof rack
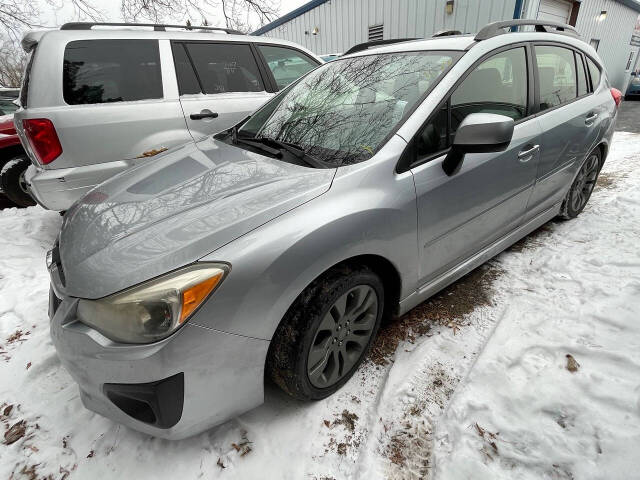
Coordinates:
[157,27]
[446,33]
[374,43]
[496,28]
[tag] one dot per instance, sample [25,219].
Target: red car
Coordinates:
[13,163]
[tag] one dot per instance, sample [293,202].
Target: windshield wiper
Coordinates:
[296,150]
[259,146]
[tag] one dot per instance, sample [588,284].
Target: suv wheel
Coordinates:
[13,183]
[326,333]
[582,187]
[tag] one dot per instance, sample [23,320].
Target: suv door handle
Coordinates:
[203,114]
[590,119]
[526,155]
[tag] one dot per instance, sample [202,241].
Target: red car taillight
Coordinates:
[43,139]
[617,96]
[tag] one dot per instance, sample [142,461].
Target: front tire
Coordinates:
[13,183]
[582,186]
[326,333]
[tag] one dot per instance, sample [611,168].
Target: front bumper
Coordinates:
[58,189]
[187,383]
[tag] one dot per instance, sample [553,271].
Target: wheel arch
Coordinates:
[604,151]
[381,266]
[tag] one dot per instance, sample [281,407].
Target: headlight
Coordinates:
[635,81]
[155,309]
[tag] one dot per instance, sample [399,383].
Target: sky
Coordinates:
[61,11]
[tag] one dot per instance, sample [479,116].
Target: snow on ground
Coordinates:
[526,410]
[483,392]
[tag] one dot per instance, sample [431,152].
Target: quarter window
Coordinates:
[286,64]
[594,71]
[225,67]
[556,74]
[497,85]
[104,71]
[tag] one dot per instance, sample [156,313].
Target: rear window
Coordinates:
[105,71]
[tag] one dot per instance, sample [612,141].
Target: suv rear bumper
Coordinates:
[58,189]
[180,386]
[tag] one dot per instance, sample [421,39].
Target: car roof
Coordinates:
[63,36]
[467,41]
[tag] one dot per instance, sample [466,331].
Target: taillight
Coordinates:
[617,96]
[43,139]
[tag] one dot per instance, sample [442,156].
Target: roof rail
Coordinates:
[496,28]
[374,43]
[158,27]
[446,33]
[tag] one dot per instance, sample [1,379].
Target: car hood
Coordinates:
[173,210]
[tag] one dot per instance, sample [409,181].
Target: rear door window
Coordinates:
[105,71]
[286,64]
[225,67]
[556,75]
[582,78]
[187,80]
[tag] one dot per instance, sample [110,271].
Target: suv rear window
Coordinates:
[105,71]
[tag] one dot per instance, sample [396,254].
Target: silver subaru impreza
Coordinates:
[275,249]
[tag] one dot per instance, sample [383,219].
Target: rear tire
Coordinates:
[582,186]
[12,181]
[326,333]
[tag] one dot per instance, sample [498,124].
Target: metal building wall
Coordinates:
[614,34]
[344,23]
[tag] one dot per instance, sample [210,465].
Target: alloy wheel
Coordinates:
[584,183]
[342,336]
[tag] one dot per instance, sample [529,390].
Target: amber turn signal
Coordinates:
[194,296]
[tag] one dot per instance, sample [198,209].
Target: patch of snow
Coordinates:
[576,293]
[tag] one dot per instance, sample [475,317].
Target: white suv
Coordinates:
[98,98]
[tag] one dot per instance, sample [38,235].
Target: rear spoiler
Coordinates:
[31,39]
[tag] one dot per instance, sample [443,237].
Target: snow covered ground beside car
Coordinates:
[527,368]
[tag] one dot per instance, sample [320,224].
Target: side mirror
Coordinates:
[478,133]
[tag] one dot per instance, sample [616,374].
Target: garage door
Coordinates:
[555,10]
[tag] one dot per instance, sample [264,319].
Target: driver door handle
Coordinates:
[203,114]
[526,155]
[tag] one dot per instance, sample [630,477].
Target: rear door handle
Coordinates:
[203,114]
[590,119]
[526,155]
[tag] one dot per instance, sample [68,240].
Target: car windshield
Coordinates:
[342,112]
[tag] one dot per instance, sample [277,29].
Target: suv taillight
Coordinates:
[617,96]
[43,139]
